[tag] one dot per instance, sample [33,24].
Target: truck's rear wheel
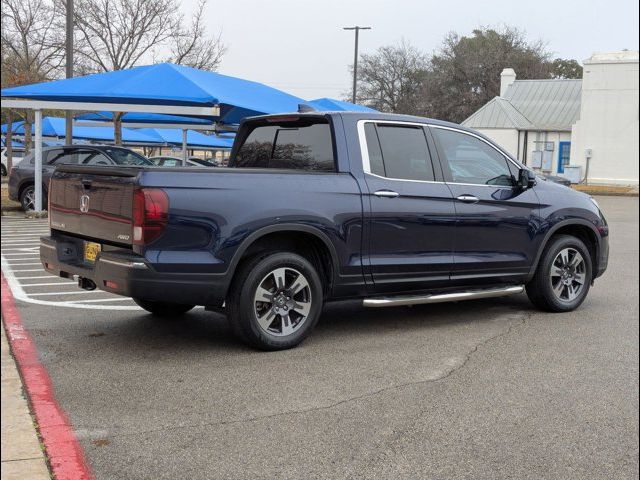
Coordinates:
[563,277]
[275,301]
[163,309]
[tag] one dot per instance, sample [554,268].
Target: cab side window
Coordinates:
[398,151]
[470,160]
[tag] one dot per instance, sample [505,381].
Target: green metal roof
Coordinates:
[532,105]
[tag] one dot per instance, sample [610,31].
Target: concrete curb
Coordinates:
[22,455]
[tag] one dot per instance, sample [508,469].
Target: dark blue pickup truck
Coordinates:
[390,209]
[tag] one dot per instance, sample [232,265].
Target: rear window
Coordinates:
[300,145]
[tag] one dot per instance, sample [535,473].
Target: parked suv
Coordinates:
[16,157]
[22,176]
[388,209]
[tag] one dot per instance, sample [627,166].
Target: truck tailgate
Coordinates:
[93,202]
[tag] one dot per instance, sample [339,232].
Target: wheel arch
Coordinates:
[304,239]
[575,227]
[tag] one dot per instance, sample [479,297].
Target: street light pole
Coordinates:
[355,58]
[68,128]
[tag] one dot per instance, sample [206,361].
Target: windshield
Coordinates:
[126,157]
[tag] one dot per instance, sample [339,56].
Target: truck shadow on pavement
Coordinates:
[341,322]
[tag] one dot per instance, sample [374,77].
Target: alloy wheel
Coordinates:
[568,274]
[282,301]
[29,200]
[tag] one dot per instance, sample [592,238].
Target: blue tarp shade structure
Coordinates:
[155,118]
[173,136]
[165,84]
[332,105]
[54,127]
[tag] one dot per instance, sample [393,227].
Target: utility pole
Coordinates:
[355,58]
[68,125]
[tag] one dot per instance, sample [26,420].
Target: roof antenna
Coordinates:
[304,108]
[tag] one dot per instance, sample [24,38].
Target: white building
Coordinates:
[549,124]
[605,138]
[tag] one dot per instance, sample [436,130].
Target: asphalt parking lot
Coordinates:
[483,389]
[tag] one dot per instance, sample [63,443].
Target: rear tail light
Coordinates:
[150,214]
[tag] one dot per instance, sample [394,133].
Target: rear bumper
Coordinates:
[131,275]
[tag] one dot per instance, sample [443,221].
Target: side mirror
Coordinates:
[526,178]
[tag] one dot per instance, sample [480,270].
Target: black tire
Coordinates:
[300,311]
[163,309]
[3,170]
[27,198]
[541,287]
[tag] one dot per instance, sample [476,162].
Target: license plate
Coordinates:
[91,251]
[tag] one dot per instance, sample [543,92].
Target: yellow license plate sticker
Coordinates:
[91,251]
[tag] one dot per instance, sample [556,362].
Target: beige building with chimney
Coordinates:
[571,128]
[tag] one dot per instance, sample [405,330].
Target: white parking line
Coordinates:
[18,236]
[38,276]
[29,270]
[20,242]
[97,300]
[74,292]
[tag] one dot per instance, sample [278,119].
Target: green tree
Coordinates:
[465,72]
[565,68]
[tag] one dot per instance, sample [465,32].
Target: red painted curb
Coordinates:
[66,457]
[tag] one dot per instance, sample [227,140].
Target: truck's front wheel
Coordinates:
[163,309]
[275,301]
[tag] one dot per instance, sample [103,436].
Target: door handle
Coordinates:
[386,194]
[468,199]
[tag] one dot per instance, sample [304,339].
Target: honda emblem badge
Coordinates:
[84,203]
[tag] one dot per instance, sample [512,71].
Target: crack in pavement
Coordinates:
[444,376]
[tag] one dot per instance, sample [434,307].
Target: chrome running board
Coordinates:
[444,297]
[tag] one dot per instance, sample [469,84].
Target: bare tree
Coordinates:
[192,46]
[390,79]
[32,47]
[119,34]
[33,41]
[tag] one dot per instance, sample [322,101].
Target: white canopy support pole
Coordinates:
[184,148]
[38,160]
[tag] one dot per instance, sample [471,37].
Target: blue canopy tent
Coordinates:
[225,99]
[162,88]
[172,136]
[143,120]
[332,105]
[53,128]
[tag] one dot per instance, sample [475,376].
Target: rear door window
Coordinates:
[297,145]
[398,151]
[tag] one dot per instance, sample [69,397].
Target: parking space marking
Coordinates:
[20,257]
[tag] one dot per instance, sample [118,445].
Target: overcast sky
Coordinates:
[299,45]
